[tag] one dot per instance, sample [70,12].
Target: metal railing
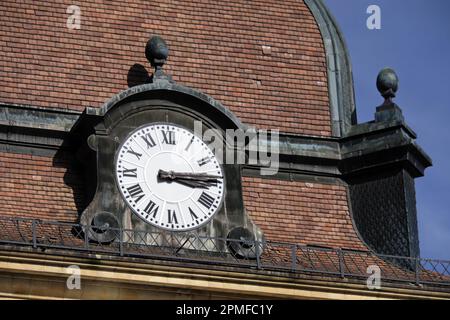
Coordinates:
[190,247]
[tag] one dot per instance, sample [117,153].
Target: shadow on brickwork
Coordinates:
[138,75]
[76,177]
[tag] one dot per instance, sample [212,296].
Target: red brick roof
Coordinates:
[39,187]
[300,212]
[215,47]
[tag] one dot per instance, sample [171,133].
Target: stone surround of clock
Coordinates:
[153,173]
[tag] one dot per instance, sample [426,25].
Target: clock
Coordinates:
[149,172]
[169,177]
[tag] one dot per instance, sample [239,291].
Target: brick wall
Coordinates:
[301,212]
[40,187]
[216,47]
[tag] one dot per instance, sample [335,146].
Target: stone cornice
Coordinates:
[150,277]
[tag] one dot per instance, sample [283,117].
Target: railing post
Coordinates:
[417,271]
[33,233]
[341,263]
[86,237]
[121,242]
[294,257]
[258,261]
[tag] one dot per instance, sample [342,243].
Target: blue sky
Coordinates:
[414,39]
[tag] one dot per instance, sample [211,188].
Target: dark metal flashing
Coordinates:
[340,78]
[294,175]
[34,130]
[27,149]
[43,131]
[57,110]
[372,126]
[37,117]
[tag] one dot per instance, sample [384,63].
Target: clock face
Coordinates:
[169,177]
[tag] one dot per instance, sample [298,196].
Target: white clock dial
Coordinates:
[169,177]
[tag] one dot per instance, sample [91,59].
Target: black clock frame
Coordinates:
[100,132]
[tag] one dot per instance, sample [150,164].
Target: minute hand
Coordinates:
[195,180]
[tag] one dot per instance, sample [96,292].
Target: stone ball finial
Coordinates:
[156,51]
[387,83]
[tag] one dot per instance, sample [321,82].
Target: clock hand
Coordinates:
[194,180]
[186,175]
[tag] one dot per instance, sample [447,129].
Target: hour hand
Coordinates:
[194,180]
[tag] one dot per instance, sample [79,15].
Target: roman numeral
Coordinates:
[206,200]
[204,161]
[193,215]
[149,140]
[168,137]
[138,155]
[132,173]
[151,208]
[136,192]
[172,217]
